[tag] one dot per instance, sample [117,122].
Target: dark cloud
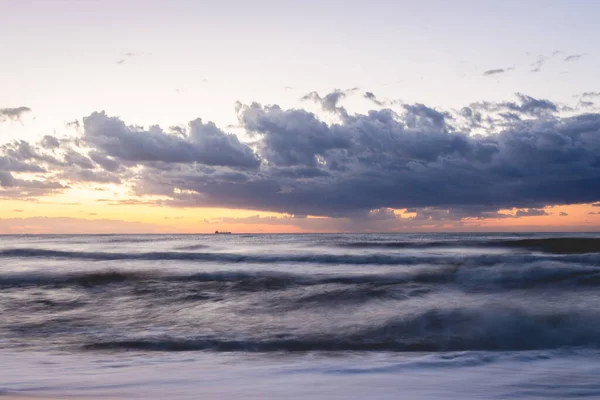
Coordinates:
[371,96]
[563,214]
[596,205]
[13,113]
[290,137]
[497,71]
[574,57]
[420,116]
[105,162]
[531,212]
[526,106]
[204,143]
[531,106]
[433,162]
[416,159]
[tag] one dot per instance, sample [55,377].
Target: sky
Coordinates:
[299,116]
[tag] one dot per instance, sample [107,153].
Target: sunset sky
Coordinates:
[299,116]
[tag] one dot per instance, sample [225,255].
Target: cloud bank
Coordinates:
[439,164]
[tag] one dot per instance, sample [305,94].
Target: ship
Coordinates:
[222,233]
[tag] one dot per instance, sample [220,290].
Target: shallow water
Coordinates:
[296,316]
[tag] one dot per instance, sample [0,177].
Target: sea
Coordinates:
[311,316]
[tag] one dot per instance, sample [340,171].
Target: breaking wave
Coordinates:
[312,258]
[490,329]
[562,245]
[498,275]
[301,293]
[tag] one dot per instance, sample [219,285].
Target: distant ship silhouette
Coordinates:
[222,233]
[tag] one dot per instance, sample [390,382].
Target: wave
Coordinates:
[563,245]
[192,247]
[410,244]
[498,276]
[241,280]
[435,330]
[557,245]
[312,258]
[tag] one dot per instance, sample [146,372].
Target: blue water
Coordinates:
[428,316]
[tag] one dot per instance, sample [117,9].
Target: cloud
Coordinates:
[9,164]
[497,71]
[14,114]
[50,142]
[590,94]
[537,65]
[542,59]
[104,161]
[330,101]
[525,107]
[12,187]
[596,205]
[290,137]
[531,106]
[531,212]
[432,161]
[7,180]
[563,214]
[204,143]
[374,221]
[371,96]
[585,104]
[386,160]
[574,57]
[381,103]
[77,174]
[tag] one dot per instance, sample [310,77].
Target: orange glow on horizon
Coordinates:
[110,209]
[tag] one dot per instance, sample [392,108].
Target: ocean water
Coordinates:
[353,316]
